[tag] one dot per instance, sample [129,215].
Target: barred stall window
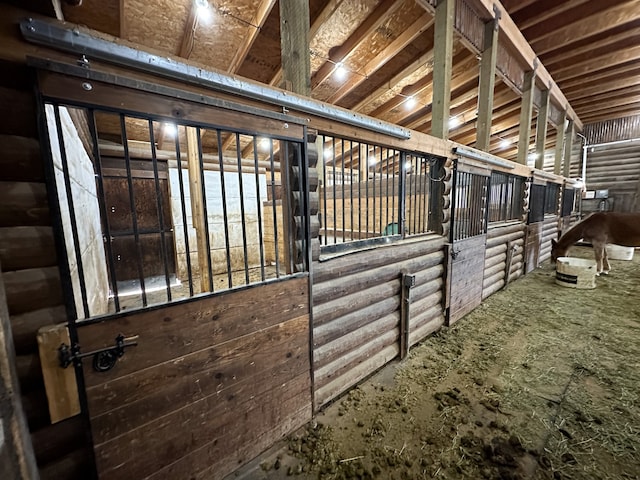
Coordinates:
[552,198]
[505,197]
[470,211]
[568,201]
[536,203]
[371,192]
[156,211]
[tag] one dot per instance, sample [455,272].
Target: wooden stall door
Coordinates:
[466,274]
[212,383]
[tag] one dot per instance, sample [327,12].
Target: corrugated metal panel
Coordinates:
[613,130]
[616,168]
[509,67]
[469,25]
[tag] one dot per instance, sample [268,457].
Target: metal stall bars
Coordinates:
[156,209]
[371,194]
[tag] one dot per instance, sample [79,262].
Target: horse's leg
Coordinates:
[597,250]
[605,260]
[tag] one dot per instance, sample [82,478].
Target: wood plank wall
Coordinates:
[212,383]
[356,310]
[616,168]
[32,279]
[504,252]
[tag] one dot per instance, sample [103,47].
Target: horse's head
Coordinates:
[557,251]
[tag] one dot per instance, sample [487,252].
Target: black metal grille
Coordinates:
[552,198]
[536,203]
[182,210]
[370,191]
[568,201]
[505,197]
[470,205]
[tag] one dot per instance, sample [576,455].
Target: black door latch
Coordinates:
[103,359]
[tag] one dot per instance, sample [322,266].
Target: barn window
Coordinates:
[470,199]
[370,192]
[154,211]
[536,203]
[551,198]
[568,201]
[505,197]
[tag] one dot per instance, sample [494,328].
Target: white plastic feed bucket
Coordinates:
[576,272]
[618,252]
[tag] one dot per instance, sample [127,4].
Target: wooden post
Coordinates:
[525,116]
[197,212]
[442,58]
[487,83]
[560,143]
[568,145]
[60,383]
[541,130]
[17,459]
[294,46]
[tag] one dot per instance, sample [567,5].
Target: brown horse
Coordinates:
[600,228]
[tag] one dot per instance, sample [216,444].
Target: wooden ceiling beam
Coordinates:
[381,13]
[613,85]
[596,22]
[609,97]
[597,64]
[626,70]
[608,41]
[395,81]
[464,71]
[517,5]
[406,37]
[260,16]
[513,36]
[188,36]
[328,10]
[541,11]
[614,113]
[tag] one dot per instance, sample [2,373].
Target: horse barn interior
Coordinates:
[217,217]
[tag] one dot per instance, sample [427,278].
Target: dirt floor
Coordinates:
[540,382]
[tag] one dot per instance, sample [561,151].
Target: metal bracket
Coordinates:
[104,359]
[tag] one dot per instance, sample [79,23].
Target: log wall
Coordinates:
[356,310]
[504,257]
[614,167]
[549,232]
[31,276]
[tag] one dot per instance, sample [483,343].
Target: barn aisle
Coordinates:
[540,382]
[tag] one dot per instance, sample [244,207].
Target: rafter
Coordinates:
[592,45]
[598,63]
[188,36]
[381,13]
[614,84]
[542,11]
[405,38]
[261,14]
[405,72]
[586,27]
